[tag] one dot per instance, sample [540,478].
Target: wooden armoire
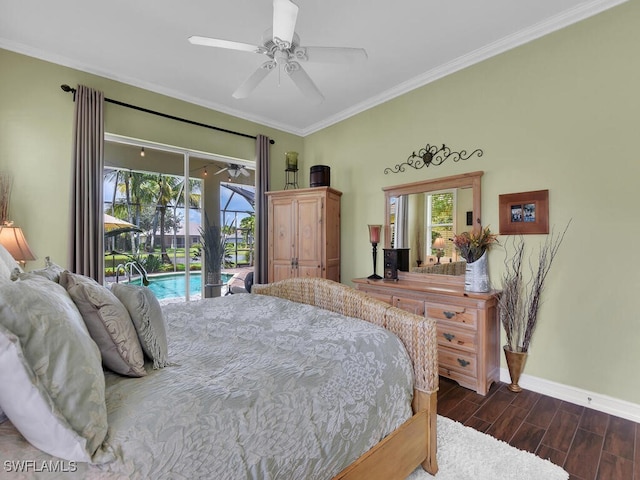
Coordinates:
[304,233]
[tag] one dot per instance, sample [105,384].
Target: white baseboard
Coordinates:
[596,401]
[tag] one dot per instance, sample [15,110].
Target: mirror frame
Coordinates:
[465,180]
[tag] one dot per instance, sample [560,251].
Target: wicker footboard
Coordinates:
[418,334]
[415,441]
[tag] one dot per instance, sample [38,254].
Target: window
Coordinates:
[441,213]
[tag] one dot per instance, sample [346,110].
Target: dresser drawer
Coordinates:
[449,336]
[409,304]
[386,298]
[457,361]
[458,314]
[463,380]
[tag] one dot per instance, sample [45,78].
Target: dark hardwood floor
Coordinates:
[588,444]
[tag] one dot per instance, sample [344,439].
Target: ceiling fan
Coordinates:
[234,170]
[282,47]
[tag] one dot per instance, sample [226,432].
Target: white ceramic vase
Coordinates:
[476,277]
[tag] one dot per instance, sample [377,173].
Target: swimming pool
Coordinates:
[172,285]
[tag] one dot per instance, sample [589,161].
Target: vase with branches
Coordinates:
[520,299]
[5,194]
[472,246]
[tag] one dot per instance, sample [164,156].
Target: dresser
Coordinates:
[467,325]
[304,233]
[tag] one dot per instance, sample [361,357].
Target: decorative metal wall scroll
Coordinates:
[432,155]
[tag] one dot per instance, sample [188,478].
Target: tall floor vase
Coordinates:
[515,364]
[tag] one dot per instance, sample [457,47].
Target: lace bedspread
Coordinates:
[262,388]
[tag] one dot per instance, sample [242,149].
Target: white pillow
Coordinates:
[7,264]
[57,394]
[108,322]
[148,319]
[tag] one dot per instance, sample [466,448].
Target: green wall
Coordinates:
[560,113]
[36,119]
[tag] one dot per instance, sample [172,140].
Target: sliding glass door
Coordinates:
[156,199]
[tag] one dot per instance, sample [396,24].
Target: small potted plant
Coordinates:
[213,246]
[473,247]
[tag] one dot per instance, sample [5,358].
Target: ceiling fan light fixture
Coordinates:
[281,44]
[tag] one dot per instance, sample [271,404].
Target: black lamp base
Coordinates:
[374,275]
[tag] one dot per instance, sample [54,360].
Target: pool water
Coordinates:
[173,285]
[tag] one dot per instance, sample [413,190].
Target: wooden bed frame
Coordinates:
[414,442]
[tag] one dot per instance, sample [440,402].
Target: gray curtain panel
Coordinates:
[262,185]
[86,243]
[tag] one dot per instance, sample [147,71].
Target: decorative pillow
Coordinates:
[148,319]
[57,394]
[108,322]
[51,271]
[7,264]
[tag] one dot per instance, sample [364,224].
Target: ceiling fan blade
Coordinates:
[254,79]
[219,43]
[285,14]
[221,170]
[244,172]
[331,54]
[303,82]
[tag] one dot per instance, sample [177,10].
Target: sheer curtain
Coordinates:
[86,239]
[262,185]
[401,225]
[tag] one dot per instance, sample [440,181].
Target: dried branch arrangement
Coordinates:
[520,300]
[5,193]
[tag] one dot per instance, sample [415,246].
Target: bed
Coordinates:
[285,382]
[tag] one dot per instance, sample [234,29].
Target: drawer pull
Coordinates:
[462,362]
[449,315]
[449,336]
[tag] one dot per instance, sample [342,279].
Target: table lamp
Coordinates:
[438,247]
[374,238]
[13,240]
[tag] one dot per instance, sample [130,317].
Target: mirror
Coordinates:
[418,213]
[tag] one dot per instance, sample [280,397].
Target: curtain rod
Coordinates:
[67,88]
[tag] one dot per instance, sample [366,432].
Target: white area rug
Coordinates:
[466,454]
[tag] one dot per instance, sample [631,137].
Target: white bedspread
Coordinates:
[263,388]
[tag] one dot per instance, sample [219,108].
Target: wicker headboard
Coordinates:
[418,334]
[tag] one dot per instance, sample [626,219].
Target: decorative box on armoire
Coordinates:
[304,233]
[395,259]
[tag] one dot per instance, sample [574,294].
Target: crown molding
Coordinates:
[502,45]
[534,32]
[151,87]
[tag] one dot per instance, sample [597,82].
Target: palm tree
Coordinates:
[166,193]
[195,195]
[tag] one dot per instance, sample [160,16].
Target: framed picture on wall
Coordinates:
[524,213]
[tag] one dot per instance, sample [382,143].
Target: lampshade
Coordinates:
[374,233]
[439,244]
[13,240]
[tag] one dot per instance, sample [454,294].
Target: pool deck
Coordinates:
[239,275]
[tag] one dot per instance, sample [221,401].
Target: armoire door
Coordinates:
[310,236]
[282,224]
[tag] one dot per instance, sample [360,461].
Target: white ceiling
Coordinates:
[409,43]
